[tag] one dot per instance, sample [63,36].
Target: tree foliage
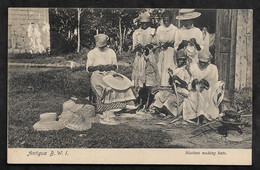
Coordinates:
[118,24]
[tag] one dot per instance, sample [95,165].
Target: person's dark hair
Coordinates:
[167,14]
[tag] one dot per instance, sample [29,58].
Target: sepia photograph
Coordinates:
[134,82]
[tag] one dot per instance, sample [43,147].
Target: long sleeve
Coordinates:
[113,58]
[90,61]
[134,39]
[177,40]
[199,38]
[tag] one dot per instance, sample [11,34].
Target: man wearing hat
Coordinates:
[113,90]
[165,37]
[207,92]
[169,102]
[189,36]
[145,72]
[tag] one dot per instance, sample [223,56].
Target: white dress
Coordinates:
[166,58]
[140,72]
[186,34]
[206,102]
[97,57]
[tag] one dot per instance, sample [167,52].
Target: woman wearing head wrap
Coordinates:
[165,37]
[207,92]
[145,72]
[188,36]
[102,62]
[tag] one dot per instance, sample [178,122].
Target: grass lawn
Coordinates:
[33,91]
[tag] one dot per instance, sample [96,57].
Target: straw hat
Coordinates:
[186,14]
[117,81]
[205,56]
[108,118]
[48,121]
[101,40]
[190,50]
[78,122]
[144,17]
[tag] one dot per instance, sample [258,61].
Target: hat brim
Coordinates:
[47,126]
[192,15]
[114,83]
[204,60]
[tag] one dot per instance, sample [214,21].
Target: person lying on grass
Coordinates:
[112,92]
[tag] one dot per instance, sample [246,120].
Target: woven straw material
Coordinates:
[77,122]
[47,126]
[52,116]
[186,14]
[117,81]
[48,122]
[110,121]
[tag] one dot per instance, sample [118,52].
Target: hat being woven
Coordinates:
[117,81]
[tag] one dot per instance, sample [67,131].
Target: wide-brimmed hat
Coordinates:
[117,81]
[186,14]
[78,122]
[205,55]
[48,121]
[144,17]
[101,40]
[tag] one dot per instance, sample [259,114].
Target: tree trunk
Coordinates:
[124,34]
[120,36]
[79,11]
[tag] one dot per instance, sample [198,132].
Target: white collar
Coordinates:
[164,28]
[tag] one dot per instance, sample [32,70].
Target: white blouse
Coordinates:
[166,34]
[97,57]
[143,37]
[186,34]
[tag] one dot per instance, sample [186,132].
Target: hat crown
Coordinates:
[101,40]
[186,14]
[185,11]
[48,117]
[144,17]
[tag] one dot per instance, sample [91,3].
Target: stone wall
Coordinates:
[28,30]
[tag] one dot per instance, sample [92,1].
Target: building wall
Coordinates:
[28,30]
[244,49]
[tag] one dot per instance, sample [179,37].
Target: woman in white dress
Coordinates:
[188,36]
[101,61]
[207,91]
[145,73]
[165,37]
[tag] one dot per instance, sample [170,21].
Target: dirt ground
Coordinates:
[33,91]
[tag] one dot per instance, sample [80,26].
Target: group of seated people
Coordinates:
[172,72]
